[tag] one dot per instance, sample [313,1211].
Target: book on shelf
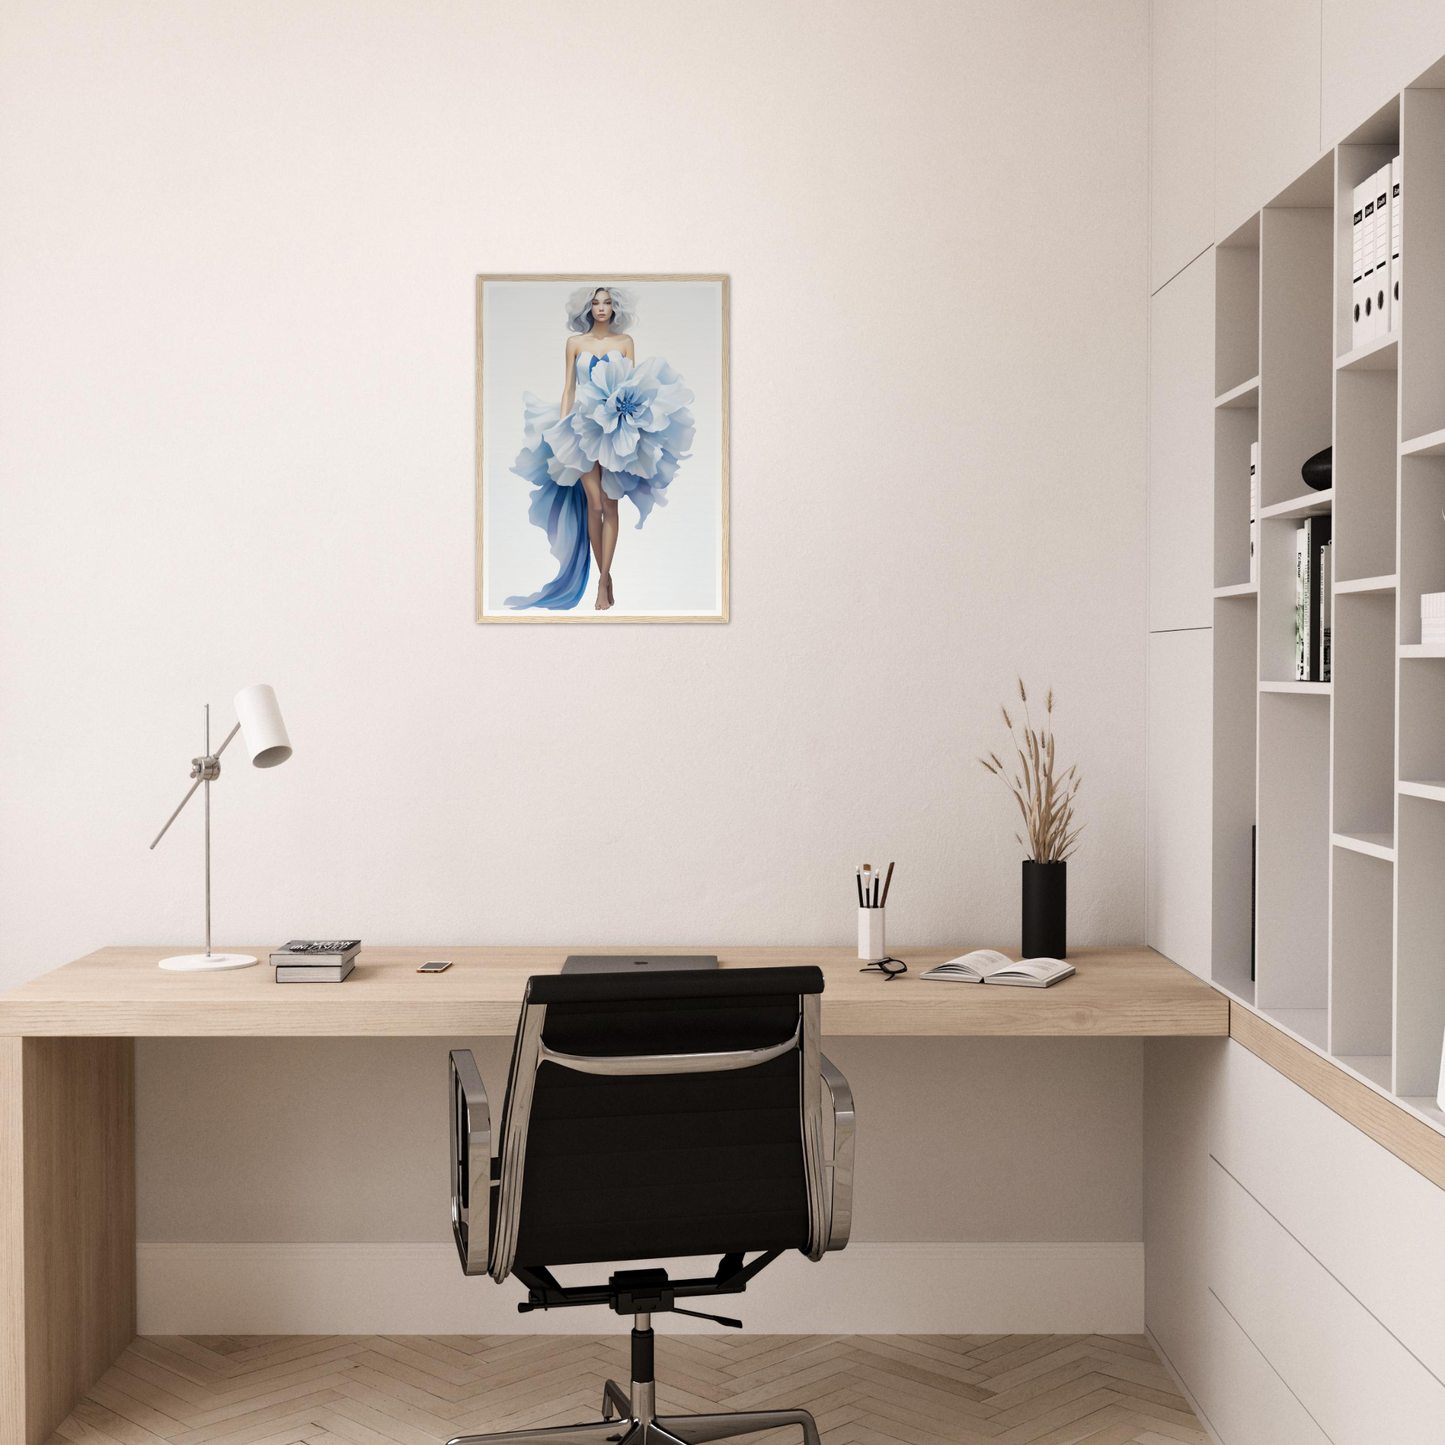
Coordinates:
[988,965]
[1309,610]
[1254,513]
[314,972]
[1301,606]
[1326,606]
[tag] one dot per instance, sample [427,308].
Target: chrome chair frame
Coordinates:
[485,1229]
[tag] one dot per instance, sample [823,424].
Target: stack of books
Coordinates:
[315,960]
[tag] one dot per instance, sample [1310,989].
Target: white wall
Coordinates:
[236,366]
[237,255]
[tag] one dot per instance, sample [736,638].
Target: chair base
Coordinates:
[640,1427]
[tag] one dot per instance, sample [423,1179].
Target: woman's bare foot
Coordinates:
[611,600]
[604,594]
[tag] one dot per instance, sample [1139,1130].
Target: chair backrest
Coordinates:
[669,1114]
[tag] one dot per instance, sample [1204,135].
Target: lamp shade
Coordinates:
[262,730]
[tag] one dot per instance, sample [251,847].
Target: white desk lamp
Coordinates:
[258,720]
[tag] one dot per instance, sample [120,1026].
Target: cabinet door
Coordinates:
[1177,831]
[1370,52]
[1181,135]
[1266,103]
[1181,450]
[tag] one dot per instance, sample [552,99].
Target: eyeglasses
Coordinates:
[890,968]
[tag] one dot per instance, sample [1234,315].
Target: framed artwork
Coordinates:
[602,448]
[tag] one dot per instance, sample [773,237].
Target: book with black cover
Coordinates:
[1317,534]
[310,952]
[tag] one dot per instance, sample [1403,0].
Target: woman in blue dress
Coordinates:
[621,430]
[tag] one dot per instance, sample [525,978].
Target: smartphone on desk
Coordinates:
[435,965]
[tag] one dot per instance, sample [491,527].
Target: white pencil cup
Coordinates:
[871,946]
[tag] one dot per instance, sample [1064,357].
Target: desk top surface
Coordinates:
[120,992]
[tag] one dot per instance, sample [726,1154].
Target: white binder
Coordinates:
[1396,225]
[1357,268]
[1367,322]
[1382,251]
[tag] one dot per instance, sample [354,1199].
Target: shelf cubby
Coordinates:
[1422,721]
[1420,964]
[1422,537]
[1236,705]
[1364,703]
[1235,429]
[1236,313]
[1296,369]
[1294,852]
[1362,902]
[1365,459]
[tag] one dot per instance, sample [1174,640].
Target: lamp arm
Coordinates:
[202,774]
[227,743]
[177,813]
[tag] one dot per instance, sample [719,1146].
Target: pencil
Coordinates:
[858,879]
[887,883]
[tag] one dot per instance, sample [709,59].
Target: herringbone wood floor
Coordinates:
[420,1389]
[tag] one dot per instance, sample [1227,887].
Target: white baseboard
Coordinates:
[312,1289]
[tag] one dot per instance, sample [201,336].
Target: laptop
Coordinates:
[637,962]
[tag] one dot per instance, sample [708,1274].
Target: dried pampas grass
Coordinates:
[1046,801]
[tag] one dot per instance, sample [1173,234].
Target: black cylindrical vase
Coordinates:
[1046,909]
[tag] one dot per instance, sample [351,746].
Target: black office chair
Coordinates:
[650,1117]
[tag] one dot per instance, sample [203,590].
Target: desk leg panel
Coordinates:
[67,1211]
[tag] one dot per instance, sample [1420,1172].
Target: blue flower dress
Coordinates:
[634,421]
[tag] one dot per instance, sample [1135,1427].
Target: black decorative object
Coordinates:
[1046,900]
[1319,471]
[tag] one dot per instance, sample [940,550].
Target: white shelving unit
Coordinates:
[1344,781]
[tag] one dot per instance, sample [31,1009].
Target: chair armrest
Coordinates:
[840,1215]
[471,1129]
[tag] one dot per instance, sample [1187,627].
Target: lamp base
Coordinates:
[207,962]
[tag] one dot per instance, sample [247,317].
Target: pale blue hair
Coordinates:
[579,307]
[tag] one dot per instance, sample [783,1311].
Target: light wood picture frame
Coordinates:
[635,471]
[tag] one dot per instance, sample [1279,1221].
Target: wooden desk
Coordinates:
[119,992]
[67,1092]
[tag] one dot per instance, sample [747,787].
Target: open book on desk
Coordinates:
[987,965]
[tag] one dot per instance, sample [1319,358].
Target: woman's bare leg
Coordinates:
[592,485]
[611,523]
